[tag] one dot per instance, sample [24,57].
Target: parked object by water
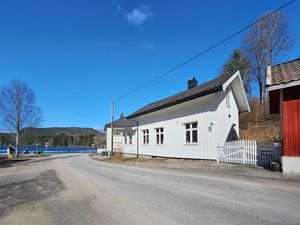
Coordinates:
[37,152]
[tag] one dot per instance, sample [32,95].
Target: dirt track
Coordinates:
[78,190]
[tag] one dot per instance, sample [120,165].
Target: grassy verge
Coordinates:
[21,157]
[120,158]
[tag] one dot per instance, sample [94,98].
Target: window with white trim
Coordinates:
[191,133]
[159,135]
[228,98]
[117,132]
[130,139]
[146,137]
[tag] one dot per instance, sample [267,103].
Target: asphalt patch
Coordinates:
[29,192]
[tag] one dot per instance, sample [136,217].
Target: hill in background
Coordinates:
[259,124]
[58,136]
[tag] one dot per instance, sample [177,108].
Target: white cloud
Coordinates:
[148,46]
[138,16]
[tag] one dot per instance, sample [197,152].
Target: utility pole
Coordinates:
[112,128]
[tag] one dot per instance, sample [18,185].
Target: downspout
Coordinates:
[137,137]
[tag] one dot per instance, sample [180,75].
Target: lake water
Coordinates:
[52,150]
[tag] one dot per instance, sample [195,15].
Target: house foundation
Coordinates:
[290,164]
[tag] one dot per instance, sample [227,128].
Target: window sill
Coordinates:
[190,144]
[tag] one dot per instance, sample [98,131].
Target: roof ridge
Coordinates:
[205,83]
[278,64]
[202,84]
[208,87]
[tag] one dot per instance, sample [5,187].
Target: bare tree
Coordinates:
[18,109]
[264,44]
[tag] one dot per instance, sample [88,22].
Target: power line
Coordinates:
[205,51]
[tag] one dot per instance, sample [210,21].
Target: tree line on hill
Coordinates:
[57,137]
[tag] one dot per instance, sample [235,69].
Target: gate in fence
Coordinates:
[249,152]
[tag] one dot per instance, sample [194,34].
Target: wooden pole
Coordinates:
[112,128]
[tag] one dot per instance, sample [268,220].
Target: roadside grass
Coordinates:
[34,155]
[121,158]
[4,159]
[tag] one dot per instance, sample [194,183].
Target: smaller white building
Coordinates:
[119,127]
[190,124]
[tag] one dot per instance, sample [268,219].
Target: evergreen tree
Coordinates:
[237,62]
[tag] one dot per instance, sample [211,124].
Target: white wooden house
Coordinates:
[119,127]
[190,124]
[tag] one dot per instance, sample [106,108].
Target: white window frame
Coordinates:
[190,130]
[228,98]
[125,139]
[159,136]
[145,137]
[130,139]
[117,133]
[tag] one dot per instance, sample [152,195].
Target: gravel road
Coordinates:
[78,190]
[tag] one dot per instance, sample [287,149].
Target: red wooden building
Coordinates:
[283,84]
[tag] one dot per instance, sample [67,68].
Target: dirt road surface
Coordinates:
[73,190]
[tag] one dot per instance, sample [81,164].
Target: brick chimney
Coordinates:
[192,82]
[269,76]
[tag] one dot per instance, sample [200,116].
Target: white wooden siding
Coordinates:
[118,140]
[208,111]
[225,117]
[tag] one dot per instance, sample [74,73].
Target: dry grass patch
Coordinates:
[121,158]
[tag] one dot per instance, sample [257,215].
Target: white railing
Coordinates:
[249,152]
[240,151]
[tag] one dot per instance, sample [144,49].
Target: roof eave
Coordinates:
[283,85]
[242,100]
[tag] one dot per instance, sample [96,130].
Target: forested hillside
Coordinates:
[58,136]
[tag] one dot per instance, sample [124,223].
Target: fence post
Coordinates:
[244,153]
[255,151]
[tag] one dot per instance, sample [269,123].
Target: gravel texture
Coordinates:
[28,192]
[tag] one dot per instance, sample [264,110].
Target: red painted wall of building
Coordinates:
[291,121]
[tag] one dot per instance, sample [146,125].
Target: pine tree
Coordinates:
[237,62]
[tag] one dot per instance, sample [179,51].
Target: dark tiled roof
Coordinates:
[121,123]
[196,92]
[286,72]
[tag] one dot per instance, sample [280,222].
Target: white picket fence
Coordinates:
[248,152]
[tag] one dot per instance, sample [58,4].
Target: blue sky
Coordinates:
[79,55]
